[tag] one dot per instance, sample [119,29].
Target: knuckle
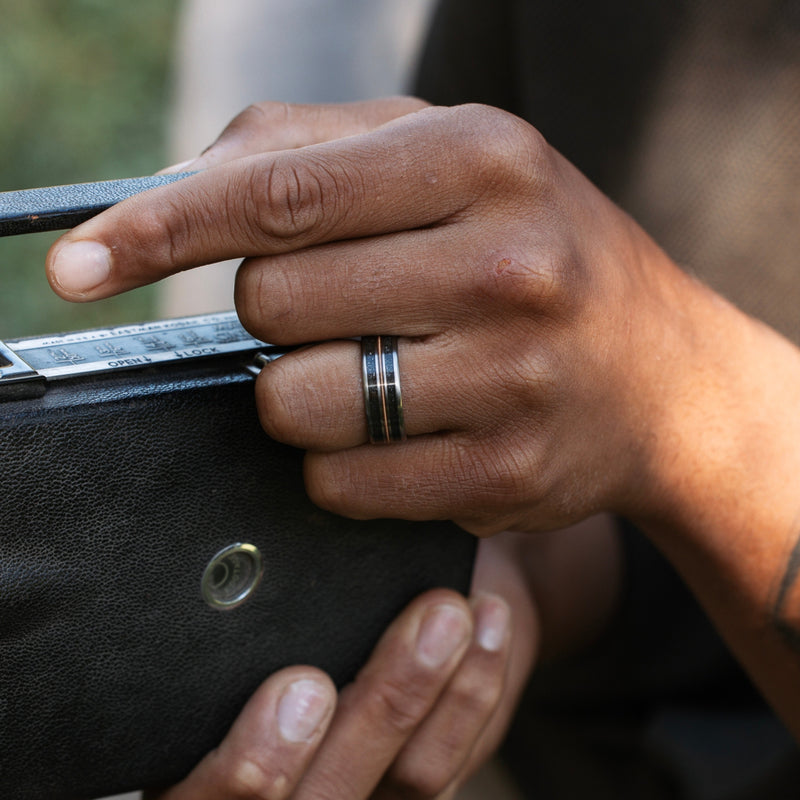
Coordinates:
[280,407]
[162,231]
[501,150]
[248,293]
[246,778]
[271,301]
[423,777]
[249,780]
[477,692]
[496,484]
[293,199]
[294,407]
[492,475]
[255,116]
[400,703]
[328,483]
[542,278]
[268,300]
[249,297]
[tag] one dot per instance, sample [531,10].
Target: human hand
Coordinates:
[555,362]
[536,319]
[421,715]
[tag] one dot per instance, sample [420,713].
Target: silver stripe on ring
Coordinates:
[383,400]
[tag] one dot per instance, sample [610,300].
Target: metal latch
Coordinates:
[18,380]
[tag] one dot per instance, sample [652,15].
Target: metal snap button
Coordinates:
[232,576]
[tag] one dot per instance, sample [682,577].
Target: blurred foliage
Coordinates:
[84,91]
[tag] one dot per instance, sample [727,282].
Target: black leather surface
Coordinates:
[55,207]
[114,673]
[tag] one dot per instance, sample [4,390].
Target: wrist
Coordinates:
[724,455]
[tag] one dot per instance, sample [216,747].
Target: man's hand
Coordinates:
[529,308]
[555,362]
[420,723]
[414,722]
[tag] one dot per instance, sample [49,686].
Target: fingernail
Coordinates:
[493,619]
[301,709]
[81,266]
[444,629]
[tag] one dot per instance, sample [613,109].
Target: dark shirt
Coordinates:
[687,115]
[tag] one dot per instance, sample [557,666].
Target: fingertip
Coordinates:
[492,621]
[267,751]
[76,269]
[424,603]
[444,631]
[274,687]
[276,733]
[304,709]
[433,631]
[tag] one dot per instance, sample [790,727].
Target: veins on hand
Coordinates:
[786,611]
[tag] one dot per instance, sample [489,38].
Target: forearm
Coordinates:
[726,477]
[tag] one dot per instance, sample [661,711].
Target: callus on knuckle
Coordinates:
[481,527]
[522,279]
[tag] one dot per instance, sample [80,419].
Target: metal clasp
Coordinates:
[18,379]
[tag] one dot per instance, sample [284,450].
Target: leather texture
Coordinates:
[52,208]
[116,491]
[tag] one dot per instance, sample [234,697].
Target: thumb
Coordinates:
[271,126]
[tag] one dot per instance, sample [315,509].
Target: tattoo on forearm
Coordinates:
[788,624]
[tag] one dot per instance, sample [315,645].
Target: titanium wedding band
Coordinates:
[383,401]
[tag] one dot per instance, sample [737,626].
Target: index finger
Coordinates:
[415,171]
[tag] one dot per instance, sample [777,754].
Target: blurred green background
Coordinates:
[84,96]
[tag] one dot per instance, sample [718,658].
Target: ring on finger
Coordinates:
[383,399]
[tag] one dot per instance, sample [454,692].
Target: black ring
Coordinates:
[383,400]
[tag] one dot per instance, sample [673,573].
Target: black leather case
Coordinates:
[115,492]
[51,208]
